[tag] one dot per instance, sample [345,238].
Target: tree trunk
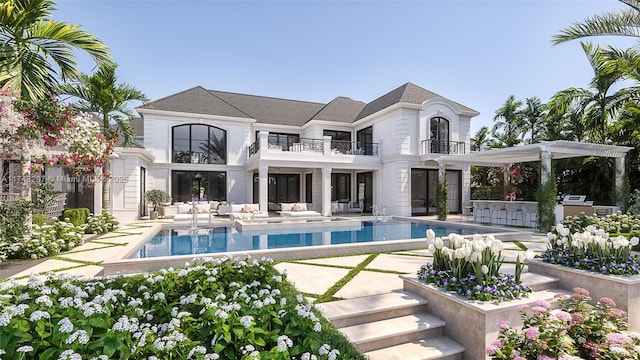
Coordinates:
[25,191]
[106,189]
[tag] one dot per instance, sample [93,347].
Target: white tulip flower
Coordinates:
[634,241]
[484,269]
[529,254]
[431,236]
[438,243]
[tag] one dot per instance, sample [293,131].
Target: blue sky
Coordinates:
[475,52]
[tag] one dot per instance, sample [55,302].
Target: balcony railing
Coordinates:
[354,147]
[317,145]
[442,147]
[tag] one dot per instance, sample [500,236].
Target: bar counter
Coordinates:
[515,213]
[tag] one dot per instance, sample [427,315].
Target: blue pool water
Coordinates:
[224,239]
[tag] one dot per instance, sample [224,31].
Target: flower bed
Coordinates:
[592,249]
[577,330]
[222,309]
[470,267]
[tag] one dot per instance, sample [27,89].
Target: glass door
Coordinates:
[365,191]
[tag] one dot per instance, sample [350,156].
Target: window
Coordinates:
[199,144]
[308,187]
[282,140]
[340,140]
[341,187]
[365,141]
[198,185]
[439,135]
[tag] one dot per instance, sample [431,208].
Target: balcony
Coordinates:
[318,146]
[442,147]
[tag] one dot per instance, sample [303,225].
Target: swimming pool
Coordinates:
[174,242]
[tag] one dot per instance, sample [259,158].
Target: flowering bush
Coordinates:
[592,249]
[220,309]
[101,223]
[47,240]
[577,330]
[471,268]
[49,133]
[615,223]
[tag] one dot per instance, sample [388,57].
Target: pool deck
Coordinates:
[314,273]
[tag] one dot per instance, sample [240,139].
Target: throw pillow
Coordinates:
[247,209]
[296,207]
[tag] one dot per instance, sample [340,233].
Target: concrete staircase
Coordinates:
[399,325]
[392,326]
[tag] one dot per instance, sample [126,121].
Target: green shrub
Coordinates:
[482,193]
[39,219]
[220,309]
[442,209]
[77,216]
[102,223]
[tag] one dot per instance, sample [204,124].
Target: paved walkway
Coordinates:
[321,279]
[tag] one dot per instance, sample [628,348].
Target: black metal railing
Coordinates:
[354,147]
[254,148]
[317,145]
[442,147]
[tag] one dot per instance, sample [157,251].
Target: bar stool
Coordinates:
[531,218]
[515,214]
[482,211]
[499,214]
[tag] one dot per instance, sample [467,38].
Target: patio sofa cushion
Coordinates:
[297,210]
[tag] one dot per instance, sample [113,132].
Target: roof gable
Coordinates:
[340,109]
[407,93]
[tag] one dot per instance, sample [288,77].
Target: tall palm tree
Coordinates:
[532,116]
[622,23]
[35,50]
[508,122]
[102,95]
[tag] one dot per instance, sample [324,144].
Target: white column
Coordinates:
[545,167]
[263,179]
[620,173]
[326,145]
[263,140]
[326,191]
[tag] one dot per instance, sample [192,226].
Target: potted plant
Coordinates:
[157,198]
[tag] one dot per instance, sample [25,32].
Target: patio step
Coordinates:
[392,326]
[538,282]
[372,308]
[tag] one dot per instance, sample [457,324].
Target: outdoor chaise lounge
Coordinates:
[296,210]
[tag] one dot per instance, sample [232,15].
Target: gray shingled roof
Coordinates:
[138,127]
[280,111]
[341,109]
[271,110]
[197,100]
[407,93]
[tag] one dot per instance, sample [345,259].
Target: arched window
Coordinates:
[199,144]
[439,135]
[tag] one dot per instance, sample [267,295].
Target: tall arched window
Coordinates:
[439,131]
[199,144]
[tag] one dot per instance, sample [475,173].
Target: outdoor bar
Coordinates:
[515,213]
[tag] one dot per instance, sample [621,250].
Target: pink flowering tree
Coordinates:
[46,133]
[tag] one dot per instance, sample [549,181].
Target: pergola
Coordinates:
[544,152]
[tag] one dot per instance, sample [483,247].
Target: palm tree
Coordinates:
[532,116]
[481,141]
[102,95]
[622,23]
[509,119]
[29,38]
[596,107]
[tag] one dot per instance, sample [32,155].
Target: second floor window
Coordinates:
[199,144]
[439,135]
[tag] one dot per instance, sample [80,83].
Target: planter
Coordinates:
[161,212]
[153,215]
[624,290]
[474,324]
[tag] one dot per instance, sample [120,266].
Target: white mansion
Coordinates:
[239,148]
